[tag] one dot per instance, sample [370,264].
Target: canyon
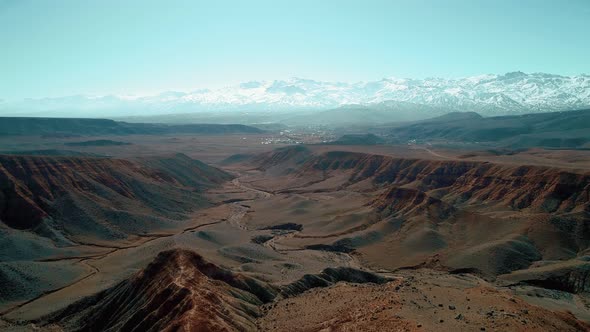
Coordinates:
[301,238]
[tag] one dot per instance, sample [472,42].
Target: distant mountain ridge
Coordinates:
[515,92]
[550,130]
[92,127]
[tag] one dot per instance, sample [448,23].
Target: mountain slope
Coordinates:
[99,199]
[178,291]
[181,291]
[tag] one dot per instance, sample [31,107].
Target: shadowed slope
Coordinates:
[99,198]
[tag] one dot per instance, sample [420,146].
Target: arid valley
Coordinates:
[222,232]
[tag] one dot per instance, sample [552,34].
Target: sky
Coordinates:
[139,47]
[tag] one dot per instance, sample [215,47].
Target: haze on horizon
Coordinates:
[64,48]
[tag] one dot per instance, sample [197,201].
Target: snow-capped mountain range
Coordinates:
[510,93]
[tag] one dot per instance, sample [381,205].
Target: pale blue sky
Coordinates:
[55,48]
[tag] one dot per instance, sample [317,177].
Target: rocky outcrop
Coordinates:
[329,277]
[571,276]
[178,291]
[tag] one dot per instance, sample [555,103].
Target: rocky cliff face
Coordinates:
[460,182]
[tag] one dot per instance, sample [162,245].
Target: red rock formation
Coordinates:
[28,183]
[538,188]
[178,291]
[406,201]
[98,195]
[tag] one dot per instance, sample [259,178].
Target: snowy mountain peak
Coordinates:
[489,94]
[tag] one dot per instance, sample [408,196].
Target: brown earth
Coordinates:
[420,300]
[302,238]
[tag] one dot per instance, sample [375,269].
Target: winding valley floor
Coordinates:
[306,239]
